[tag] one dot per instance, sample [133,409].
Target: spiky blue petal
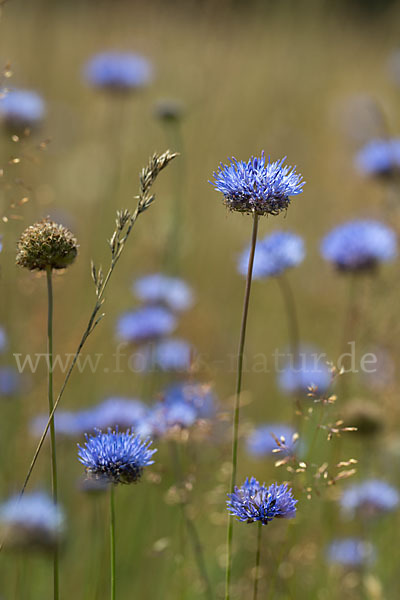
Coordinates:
[257,185]
[118,457]
[254,502]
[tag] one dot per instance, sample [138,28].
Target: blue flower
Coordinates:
[262,442]
[67,423]
[274,254]
[22,108]
[350,552]
[124,413]
[310,370]
[10,381]
[160,289]
[360,244]
[118,71]
[380,157]
[145,324]
[3,339]
[198,395]
[163,418]
[117,457]
[369,498]
[254,502]
[167,355]
[31,520]
[257,186]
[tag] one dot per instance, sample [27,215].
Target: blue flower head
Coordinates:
[350,552]
[3,339]
[10,381]
[257,186]
[122,71]
[116,457]
[22,108]
[117,412]
[274,254]
[67,423]
[167,355]
[200,396]
[146,324]
[369,498]
[359,245]
[309,371]
[31,521]
[380,157]
[262,440]
[156,288]
[254,502]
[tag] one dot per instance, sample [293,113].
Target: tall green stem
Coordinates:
[190,525]
[291,315]
[237,398]
[293,329]
[258,554]
[52,428]
[173,250]
[112,540]
[349,327]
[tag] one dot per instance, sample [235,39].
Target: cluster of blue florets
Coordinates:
[255,502]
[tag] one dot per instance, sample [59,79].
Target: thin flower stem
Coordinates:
[112,540]
[257,567]
[52,428]
[349,325]
[117,243]
[291,314]
[237,398]
[174,240]
[194,537]
[293,330]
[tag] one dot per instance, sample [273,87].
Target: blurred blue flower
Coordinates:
[118,71]
[160,289]
[257,186]
[167,355]
[162,418]
[31,520]
[350,552]
[198,395]
[22,108]
[67,423]
[261,441]
[379,157]
[124,413]
[274,254]
[10,381]
[254,502]
[3,339]
[310,370]
[117,457]
[145,324]
[359,244]
[369,498]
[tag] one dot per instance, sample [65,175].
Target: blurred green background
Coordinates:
[291,78]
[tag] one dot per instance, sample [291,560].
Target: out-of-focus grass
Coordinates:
[251,78]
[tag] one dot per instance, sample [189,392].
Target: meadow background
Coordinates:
[296,79]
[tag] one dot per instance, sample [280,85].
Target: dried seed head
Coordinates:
[46,244]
